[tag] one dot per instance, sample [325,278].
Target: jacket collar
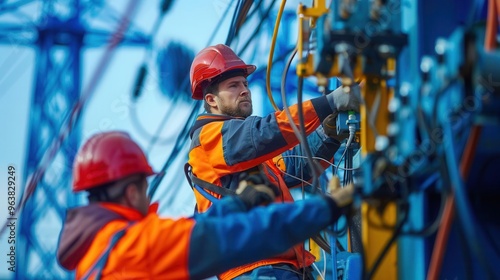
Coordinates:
[128,213]
[203,119]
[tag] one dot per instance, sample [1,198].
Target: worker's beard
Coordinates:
[241,111]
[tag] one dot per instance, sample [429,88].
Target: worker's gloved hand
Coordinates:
[341,196]
[345,98]
[254,189]
[330,128]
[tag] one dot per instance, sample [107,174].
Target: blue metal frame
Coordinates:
[59,39]
[57,87]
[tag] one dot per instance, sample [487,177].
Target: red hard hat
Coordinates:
[107,157]
[210,63]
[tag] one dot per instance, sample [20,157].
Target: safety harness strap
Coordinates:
[211,187]
[203,186]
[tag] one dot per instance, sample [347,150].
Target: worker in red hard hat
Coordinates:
[227,140]
[119,235]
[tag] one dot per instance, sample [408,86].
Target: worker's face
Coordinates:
[136,196]
[234,98]
[143,200]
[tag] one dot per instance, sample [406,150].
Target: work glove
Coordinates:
[254,189]
[341,196]
[330,128]
[345,98]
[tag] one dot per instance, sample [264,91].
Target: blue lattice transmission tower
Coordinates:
[59,31]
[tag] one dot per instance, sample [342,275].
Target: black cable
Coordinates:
[143,69]
[233,28]
[388,245]
[257,29]
[257,8]
[305,145]
[465,214]
[179,144]
[491,239]
[432,227]
[437,96]
[242,16]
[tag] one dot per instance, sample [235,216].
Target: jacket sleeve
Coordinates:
[221,242]
[237,144]
[322,147]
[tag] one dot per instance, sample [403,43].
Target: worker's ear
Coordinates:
[210,99]
[132,194]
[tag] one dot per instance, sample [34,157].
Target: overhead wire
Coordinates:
[239,17]
[259,26]
[143,73]
[271,54]
[323,160]
[182,137]
[185,82]
[257,8]
[74,116]
[179,144]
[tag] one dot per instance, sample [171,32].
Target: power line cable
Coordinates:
[181,139]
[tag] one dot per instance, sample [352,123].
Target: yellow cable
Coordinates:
[271,53]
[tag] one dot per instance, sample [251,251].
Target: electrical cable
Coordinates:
[315,169]
[182,137]
[109,14]
[239,19]
[232,27]
[271,53]
[283,97]
[421,121]
[462,204]
[73,118]
[435,225]
[179,144]
[490,39]
[474,12]
[186,81]
[325,161]
[319,271]
[324,263]
[141,77]
[340,160]
[300,133]
[257,8]
[219,24]
[373,112]
[257,29]
[143,69]
[337,233]
[387,246]
[449,209]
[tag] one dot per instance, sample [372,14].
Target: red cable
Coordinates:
[469,152]
[490,39]
[449,210]
[75,114]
